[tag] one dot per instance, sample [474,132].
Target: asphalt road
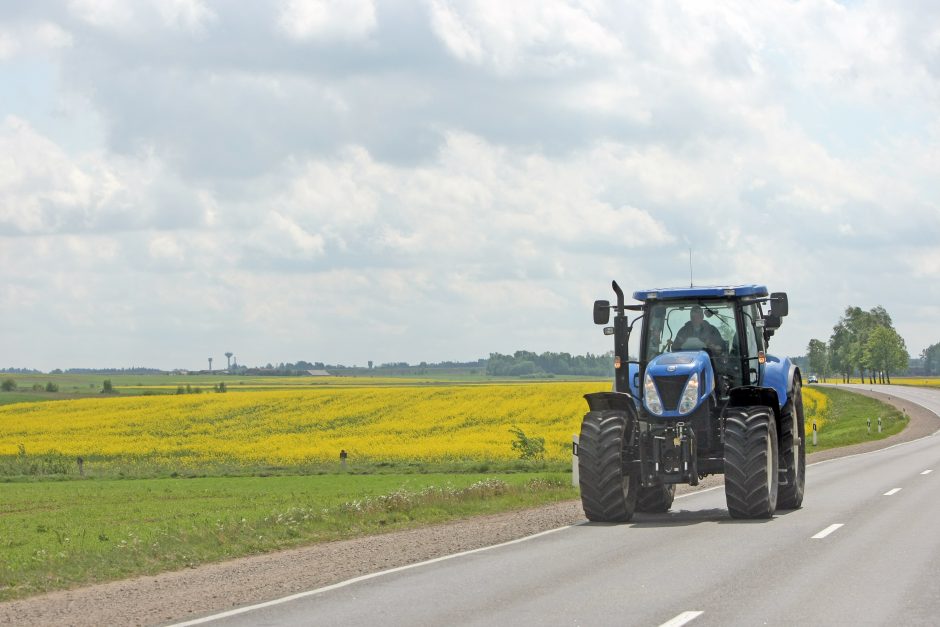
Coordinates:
[863,550]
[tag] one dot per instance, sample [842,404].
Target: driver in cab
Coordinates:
[697,328]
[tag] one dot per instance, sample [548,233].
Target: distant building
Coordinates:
[318,373]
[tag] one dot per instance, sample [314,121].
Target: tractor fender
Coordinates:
[750,395]
[603,401]
[778,374]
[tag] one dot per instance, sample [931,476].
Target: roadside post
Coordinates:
[574,461]
[814,433]
[879,424]
[869,426]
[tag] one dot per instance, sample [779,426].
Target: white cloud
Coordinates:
[32,38]
[549,36]
[327,20]
[128,19]
[43,189]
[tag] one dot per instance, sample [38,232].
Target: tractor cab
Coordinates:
[728,328]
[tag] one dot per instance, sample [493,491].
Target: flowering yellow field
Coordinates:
[298,426]
[441,423]
[815,407]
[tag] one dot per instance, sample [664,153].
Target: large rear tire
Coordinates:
[657,499]
[793,451]
[751,462]
[608,494]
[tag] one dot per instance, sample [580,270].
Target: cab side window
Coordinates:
[753,346]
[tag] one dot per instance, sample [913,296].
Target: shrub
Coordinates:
[106,387]
[52,387]
[8,385]
[527,447]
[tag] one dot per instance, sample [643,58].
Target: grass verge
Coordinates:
[61,534]
[846,420]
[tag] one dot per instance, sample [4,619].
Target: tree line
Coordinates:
[529,364]
[863,342]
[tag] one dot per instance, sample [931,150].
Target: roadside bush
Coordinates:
[527,447]
[8,385]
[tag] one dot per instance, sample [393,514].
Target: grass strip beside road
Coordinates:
[56,535]
[846,420]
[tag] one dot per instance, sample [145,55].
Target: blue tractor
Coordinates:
[704,398]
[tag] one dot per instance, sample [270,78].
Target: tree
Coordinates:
[8,385]
[52,387]
[817,353]
[106,387]
[931,357]
[885,351]
[849,340]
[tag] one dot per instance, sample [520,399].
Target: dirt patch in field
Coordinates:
[183,595]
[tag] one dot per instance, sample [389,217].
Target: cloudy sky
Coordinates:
[345,180]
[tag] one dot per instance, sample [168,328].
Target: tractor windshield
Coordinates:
[690,325]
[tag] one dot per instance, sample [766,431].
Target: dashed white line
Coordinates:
[927,472]
[682,619]
[825,532]
[893,491]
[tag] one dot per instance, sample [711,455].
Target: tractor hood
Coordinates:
[675,384]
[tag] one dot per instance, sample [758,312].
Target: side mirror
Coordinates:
[779,305]
[601,312]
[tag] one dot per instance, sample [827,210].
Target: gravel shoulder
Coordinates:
[183,595]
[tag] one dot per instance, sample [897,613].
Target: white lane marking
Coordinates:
[682,619]
[893,491]
[927,472]
[348,582]
[825,532]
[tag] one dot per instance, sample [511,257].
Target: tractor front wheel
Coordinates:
[608,493]
[751,462]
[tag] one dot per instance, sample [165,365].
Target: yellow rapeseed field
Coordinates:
[815,407]
[405,423]
[300,426]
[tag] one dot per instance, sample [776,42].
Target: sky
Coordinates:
[427,180]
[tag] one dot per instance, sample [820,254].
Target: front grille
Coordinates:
[670,389]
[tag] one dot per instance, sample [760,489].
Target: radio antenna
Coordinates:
[690,266]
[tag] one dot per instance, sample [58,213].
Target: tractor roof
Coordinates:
[713,291]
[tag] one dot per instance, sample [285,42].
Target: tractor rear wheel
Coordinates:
[751,462]
[608,493]
[657,499]
[793,451]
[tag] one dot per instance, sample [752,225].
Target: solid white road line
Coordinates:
[892,491]
[927,472]
[343,584]
[825,532]
[682,619]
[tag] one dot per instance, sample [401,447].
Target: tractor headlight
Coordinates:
[651,396]
[689,397]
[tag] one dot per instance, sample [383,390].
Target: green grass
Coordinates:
[56,535]
[847,422]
